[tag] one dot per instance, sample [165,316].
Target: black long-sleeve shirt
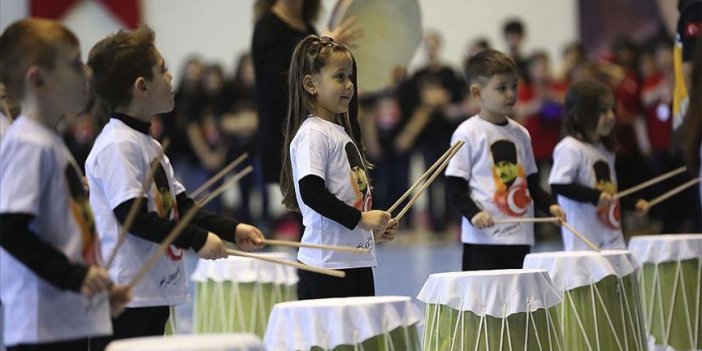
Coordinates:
[315,194]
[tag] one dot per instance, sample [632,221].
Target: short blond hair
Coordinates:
[29,42]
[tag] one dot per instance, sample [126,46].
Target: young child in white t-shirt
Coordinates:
[324,171]
[494,175]
[51,286]
[131,78]
[583,173]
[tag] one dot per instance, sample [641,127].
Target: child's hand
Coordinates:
[388,234]
[374,220]
[557,211]
[642,207]
[482,220]
[249,237]
[120,295]
[213,249]
[96,281]
[606,199]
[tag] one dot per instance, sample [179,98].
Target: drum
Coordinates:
[601,308]
[218,342]
[670,289]
[511,309]
[236,294]
[375,323]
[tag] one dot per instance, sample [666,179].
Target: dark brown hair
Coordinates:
[310,56]
[583,107]
[486,64]
[30,42]
[691,128]
[118,60]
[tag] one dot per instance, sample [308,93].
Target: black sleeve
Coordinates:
[149,226]
[577,192]
[459,194]
[628,202]
[314,194]
[542,199]
[41,258]
[224,227]
[688,28]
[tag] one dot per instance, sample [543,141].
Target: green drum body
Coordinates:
[670,286]
[376,323]
[491,310]
[236,295]
[601,308]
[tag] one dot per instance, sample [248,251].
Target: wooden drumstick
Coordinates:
[180,226]
[527,220]
[424,176]
[219,190]
[219,175]
[581,236]
[136,204]
[429,181]
[349,249]
[298,265]
[649,182]
[673,191]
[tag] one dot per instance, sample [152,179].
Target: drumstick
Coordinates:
[134,209]
[526,220]
[180,226]
[649,182]
[219,175]
[581,236]
[424,176]
[672,192]
[429,181]
[226,185]
[339,248]
[298,265]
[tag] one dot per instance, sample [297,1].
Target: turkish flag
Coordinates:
[128,11]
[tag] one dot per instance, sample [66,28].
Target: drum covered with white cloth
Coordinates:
[601,307]
[236,294]
[218,342]
[374,323]
[510,309]
[670,289]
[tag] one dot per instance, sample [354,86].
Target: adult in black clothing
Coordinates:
[425,101]
[280,25]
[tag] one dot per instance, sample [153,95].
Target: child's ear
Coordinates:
[33,77]
[309,84]
[475,90]
[140,85]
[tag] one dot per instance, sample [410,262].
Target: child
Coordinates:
[494,174]
[131,78]
[49,279]
[324,170]
[583,170]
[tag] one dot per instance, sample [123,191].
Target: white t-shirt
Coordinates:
[38,176]
[501,191]
[590,165]
[116,168]
[323,149]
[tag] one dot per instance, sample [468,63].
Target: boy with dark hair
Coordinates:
[50,283]
[131,78]
[494,174]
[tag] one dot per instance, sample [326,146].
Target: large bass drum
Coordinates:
[392,31]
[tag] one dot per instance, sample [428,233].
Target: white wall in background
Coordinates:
[220,30]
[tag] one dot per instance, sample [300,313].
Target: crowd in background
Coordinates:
[215,120]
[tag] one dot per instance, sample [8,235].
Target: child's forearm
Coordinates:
[149,226]
[315,195]
[459,194]
[577,192]
[224,227]
[41,258]
[542,199]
